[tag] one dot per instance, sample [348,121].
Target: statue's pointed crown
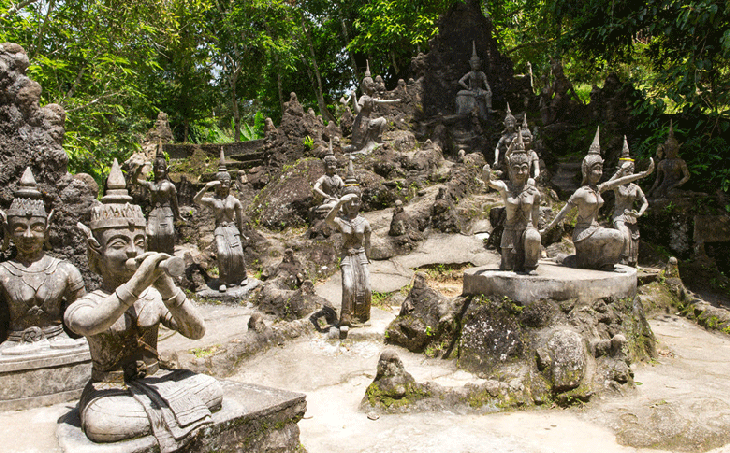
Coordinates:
[509,114]
[367,68]
[671,140]
[351,179]
[625,151]
[115,209]
[222,161]
[330,154]
[595,147]
[159,155]
[474,56]
[28,200]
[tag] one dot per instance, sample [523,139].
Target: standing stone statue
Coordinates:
[624,215]
[526,136]
[161,220]
[367,131]
[672,171]
[520,239]
[477,92]
[34,287]
[129,394]
[329,185]
[355,229]
[228,213]
[596,247]
[508,134]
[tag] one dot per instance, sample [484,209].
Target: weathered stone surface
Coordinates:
[490,337]
[552,282]
[567,359]
[253,418]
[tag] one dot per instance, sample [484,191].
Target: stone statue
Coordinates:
[129,394]
[329,185]
[624,215]
[35,288]
[355,229]
[596,247]
[520,243]
[367,131]
[533,158]
[161,220]
[477,92]
[672,171]
[508,134]
[228,213]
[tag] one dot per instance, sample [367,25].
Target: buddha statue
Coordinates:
[164,213]
[596,247]
[625,217]
[35,288]
[520,245]
[672,172]
[329,185]
[228,213]
[476,92]
[355,230]
[130,395]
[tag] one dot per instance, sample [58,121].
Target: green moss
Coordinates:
[377,397]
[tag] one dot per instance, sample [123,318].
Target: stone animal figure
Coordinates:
[596,247]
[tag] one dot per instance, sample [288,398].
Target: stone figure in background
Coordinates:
[520,245]
[129,395]
[355,230]
[477,92]
[624,215]
[35,287]
[534,159]
[367,131]
[329,185]
[596,247]
[508,134]
[228,213]
[672,171]
[161,220]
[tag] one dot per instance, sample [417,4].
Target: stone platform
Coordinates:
[233,294]
[252,418]
[552,282]
[43,375]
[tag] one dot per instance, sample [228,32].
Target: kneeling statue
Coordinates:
[129,394]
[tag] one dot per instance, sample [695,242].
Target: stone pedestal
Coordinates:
[232,294]
[43,377]
[253,419]
[552,282]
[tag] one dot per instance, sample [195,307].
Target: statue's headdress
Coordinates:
[671,142]
[474,57]
[222,171]
[525,132]
[367,69]
[625,152]
[28,200]
[368,84]
[351,183]
[517,152]
[116,209]
[509,116]
[160,156]
[593,157]
[329,155]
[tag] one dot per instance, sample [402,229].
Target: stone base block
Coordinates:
[233,294]
[252,418]
[43,378]
[552,282]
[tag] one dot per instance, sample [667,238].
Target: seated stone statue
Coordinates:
[477,92]
[624,215]
[367,131]
[508,134]
[228,213]
[129,394]
[596,247]
[672,172]
[34,287]
[329,185]
[520,245]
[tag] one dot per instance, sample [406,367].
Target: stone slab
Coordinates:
[43,378]
[253,418]
[552,282]
[233,294]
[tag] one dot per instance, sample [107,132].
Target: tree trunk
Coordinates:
[318,90]
[279,90]
[236,112]
[355,72]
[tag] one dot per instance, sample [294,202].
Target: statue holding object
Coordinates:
[228,213]
[596,247]
[476,92]
[129,394]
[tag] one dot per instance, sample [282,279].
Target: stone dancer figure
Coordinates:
[520,239]
[228,213]
[477,91]
[367,131]
[34,287]
[161,220]
[596,247]
[329,185]
[355,229]
[129,395]
[672,171]
[624,215]
[508,135]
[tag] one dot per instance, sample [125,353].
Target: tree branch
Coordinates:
[90,103]
[17,8]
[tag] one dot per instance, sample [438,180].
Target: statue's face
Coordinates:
[595,172]
[117,246]
[160,170]
[352,207]
[519,172]
[627,168]
[509,123]
[29,233]
[330,166]
[475,64]
[224,188]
